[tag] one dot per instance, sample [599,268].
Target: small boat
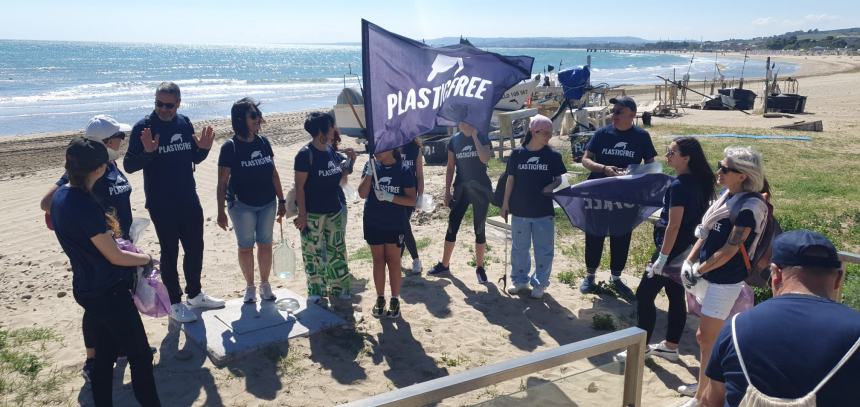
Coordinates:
[804,126]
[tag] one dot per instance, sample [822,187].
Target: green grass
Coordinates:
[26,377]
[603,322]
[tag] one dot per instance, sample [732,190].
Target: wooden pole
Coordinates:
[766,86]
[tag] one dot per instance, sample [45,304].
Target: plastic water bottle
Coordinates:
[284,258]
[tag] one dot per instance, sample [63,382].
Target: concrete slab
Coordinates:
[239,329]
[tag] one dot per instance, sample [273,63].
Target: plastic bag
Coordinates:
[425,203]
[284,258]
[150,295]
[292,208]
[349,192]
[138,226]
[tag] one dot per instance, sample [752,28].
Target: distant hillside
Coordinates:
[542,42]
[846,38]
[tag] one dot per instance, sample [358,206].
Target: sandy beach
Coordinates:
[449,324]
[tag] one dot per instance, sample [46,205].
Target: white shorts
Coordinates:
[720,299]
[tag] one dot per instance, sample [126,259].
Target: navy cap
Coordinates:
[804,248]
[85,155]
[625,101]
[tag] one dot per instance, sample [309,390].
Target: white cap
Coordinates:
[102,127]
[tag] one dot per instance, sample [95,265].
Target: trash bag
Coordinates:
[284,258]
[149,294]
[349,192]
[138,226]
[425,203]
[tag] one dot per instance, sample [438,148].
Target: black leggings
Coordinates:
[180,223]
[647,292]
[409,239]
[117,325]
[619,246]
[480,205]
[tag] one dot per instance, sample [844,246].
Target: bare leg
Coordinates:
[392,258]
[246,263]
[378,254]
[709,329]
[447,252]
[264,260]
[480,248]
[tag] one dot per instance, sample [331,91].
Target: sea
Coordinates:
[50,86]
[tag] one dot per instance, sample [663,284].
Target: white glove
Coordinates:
[367,170]
[383,195]
[690,274]
[657,266]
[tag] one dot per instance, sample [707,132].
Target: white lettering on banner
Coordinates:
[600,204]
[415,99]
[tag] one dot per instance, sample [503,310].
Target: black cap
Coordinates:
[85,155]
[804,248]
[625,101]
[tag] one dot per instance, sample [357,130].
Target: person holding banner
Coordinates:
[248,184]
[731,221]
[468,154]
[608,153]
[414,161]
[534,170]
[319,171]
[389,189]
[684,203]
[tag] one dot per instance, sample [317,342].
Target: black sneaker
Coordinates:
[88,369]
[588,285]
[379,309]
[393,308]
[624,291]
[481,274]
[438,269]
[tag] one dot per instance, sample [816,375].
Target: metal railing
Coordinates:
[631,339]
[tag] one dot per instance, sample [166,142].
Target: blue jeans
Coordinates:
[252,223]
[541,232]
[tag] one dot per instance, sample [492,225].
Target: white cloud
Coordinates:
[763,21]
[818,18]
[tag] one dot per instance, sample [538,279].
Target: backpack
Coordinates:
[758,266]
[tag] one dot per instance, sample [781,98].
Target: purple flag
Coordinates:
[410,87]
[613,206]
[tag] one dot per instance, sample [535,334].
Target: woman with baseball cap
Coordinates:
[102,273]
[534,170]
[112,191]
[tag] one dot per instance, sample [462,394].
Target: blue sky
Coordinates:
[273,21]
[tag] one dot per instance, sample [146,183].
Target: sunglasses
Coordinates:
[725,170]
[168,106]
[255,115]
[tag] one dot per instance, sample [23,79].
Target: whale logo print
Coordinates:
[444,63]
[621,144]
[177,138]
[467,148]
[256,154]
[385,180]
[533,160]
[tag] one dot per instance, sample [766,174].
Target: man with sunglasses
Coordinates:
[164,146]
[607,154]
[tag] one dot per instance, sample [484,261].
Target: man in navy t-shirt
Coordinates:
[610,151]
[163,145]
[791,342]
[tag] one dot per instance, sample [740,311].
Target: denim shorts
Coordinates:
[252,223]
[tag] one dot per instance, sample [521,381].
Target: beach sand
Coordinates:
[449,325]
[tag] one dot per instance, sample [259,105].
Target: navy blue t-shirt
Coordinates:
[684,192]
[384,215]
[324,172]
[620,148]
[168,172]
[112,190]
[733,271]
[409,155]
[789,343]
[532,171]
[469,165]
[251,167]
[77,217]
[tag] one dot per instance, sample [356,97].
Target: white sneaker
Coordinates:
[688,390]
[622,356]
[515,289]
[250,295]
[537,292]
[690,403]
[661,350]
[416,266]
[266,293]
[180,313]
[204,301]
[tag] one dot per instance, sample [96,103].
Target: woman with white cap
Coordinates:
[112,191]
[534,170]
